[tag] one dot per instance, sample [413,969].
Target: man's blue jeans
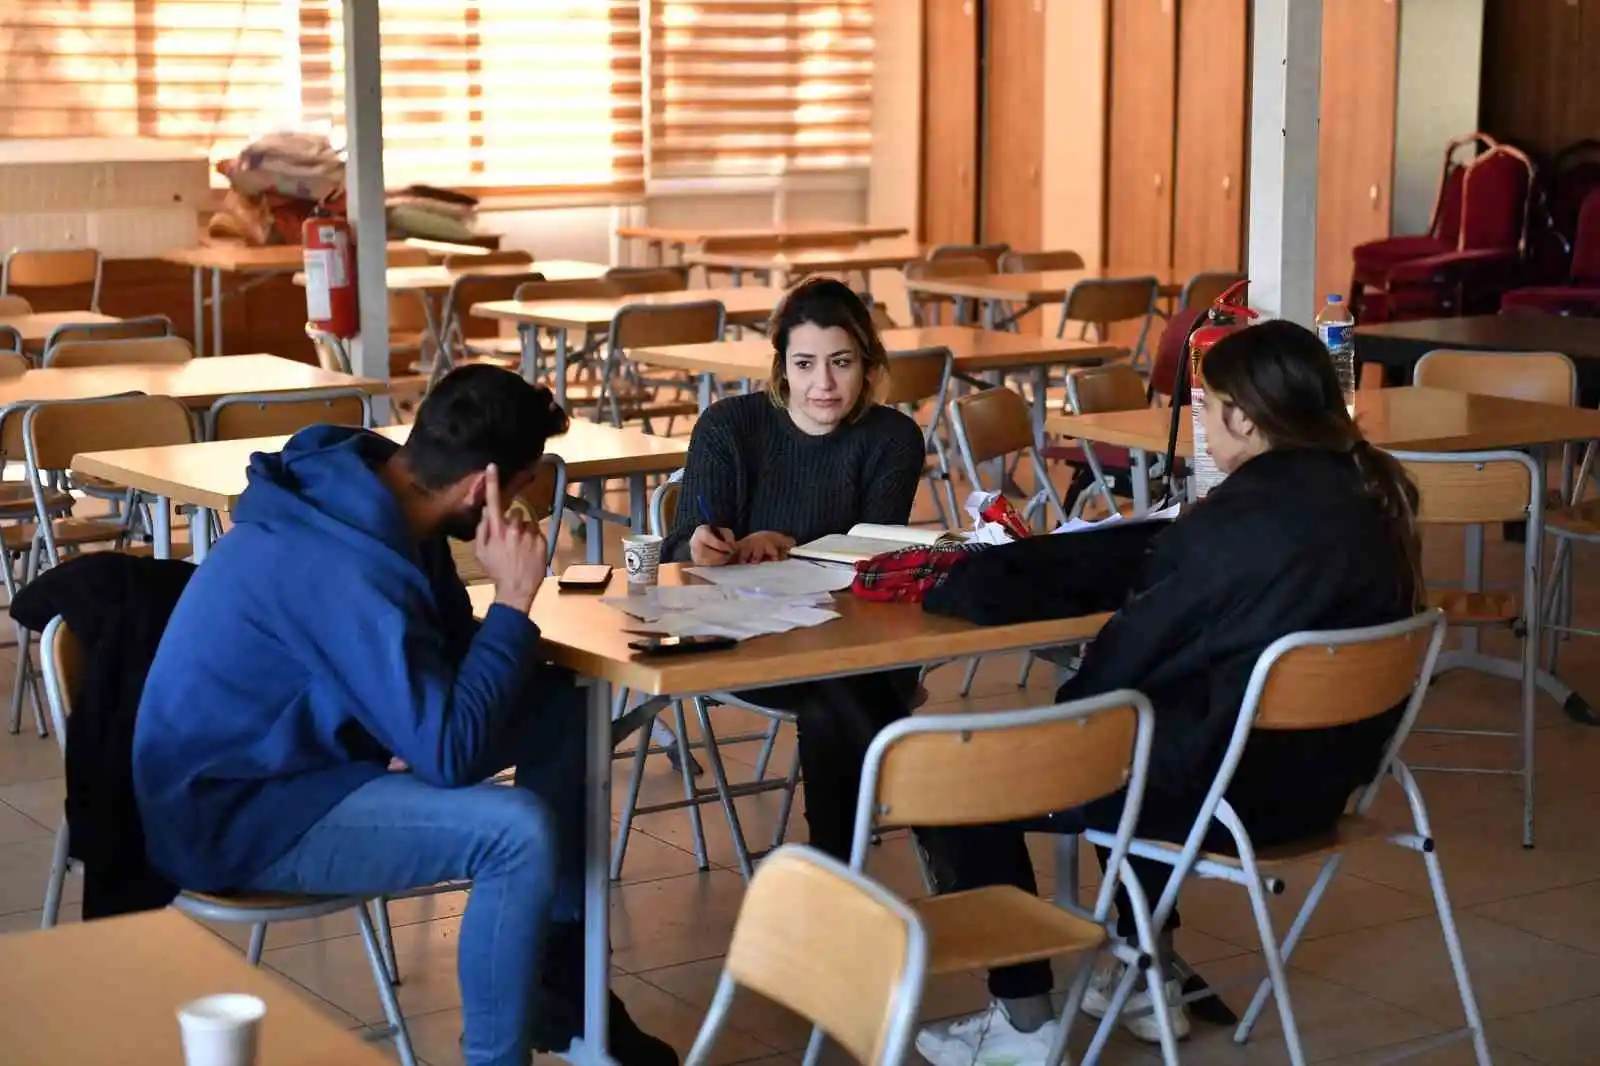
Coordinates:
[521,847]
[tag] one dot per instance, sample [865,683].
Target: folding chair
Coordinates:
[636,281]
[1204,288]
[14,307]
[625,392]
[580,365]
[1310,681]
[120,352]
[1099,303]
[663,504]
[459,342]
[63,668]
[1035,262]
[833,947]
[927,309]
[466,261]
[274,414]
[992,768]
[916,377]
[55,268]
[1092,390]
[1472,489]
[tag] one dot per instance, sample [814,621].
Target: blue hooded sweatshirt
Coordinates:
[317,640]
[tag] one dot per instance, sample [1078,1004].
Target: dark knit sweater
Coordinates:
[759,472]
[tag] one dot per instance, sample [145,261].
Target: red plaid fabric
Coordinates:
[907,575]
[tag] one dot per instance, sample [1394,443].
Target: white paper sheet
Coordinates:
[718,610]
[1078,525]
[790,577]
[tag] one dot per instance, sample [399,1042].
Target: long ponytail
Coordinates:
[1387,482]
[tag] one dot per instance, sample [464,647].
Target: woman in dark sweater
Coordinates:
[815,454]
[1313,529]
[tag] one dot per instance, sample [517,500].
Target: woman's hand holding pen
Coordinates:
[712,546]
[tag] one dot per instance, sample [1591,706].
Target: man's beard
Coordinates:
[463,525]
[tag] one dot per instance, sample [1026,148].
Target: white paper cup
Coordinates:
[641,554]
[221,1030]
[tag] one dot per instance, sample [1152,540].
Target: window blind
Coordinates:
[759,87]
[206,73]
[496,96]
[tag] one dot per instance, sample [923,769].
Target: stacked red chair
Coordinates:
[1580,294]
[1473,250]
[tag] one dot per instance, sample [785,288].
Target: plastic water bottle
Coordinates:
[1336,327]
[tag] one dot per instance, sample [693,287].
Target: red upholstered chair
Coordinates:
[1581,294]
[1472,252]
[1564,184]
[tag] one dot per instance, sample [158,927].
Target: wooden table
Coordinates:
[198,383]
[1398,345]
[211,475]
[109,991]
[36,328]
[657,238]
[783,267]
[584,635]
[746,305]
[975,351]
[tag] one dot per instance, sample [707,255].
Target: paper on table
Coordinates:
[790,577]
[1078,525]
[712,610]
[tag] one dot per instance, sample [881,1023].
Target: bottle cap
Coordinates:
[1335,298]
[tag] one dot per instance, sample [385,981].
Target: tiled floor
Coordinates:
[1370,975]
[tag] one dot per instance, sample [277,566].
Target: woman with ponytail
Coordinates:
[1312,529]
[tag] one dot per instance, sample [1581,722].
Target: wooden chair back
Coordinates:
[1026,764]
[14,306]
[1322,685]
[664,507]
[54,432]
[12,365]
[951,266]
[543,499]
[505,257]
[273,414]
[1034,262]
[64,663]
[918,375]
[126,329]
[137,350]
[991,424]
[1470,490]
[1107,300]
[831,946]
[634,281]
[568,289]
[643,325]
[880,314]
[10,339]
[1113,387]
[53,268]
[989,253]
[468,289]
[1203,289]
[1541,377]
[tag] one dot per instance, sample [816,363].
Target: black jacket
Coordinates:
[1289,542]
[117,606]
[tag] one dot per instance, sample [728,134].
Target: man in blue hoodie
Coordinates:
[323,710]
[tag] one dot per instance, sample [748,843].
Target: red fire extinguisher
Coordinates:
[330,258]
[1227,315]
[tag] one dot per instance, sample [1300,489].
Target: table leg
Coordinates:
[596,877]
[200,533]
[704,396]
[1141,479]
[638,504]
[594,491]
[199,282]
[163,527]
[1041,379]
[560,384]
[216,311]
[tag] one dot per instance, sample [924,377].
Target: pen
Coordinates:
[711,523]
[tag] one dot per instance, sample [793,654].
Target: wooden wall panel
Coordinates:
[1355,165]
[1141,133]
[950,122]
[1212,116]
[1013,124]
[1540,85]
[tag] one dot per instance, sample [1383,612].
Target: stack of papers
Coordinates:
[723,611]
[791,577]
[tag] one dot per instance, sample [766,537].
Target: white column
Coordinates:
[363,103]
[1286,71]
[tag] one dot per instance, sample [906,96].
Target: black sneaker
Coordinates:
[626,1043]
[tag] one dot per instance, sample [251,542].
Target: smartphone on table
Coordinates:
[659,645]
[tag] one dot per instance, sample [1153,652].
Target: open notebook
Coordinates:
[866,540]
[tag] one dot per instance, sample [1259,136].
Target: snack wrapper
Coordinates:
[995,520]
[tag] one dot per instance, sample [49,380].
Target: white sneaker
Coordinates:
[987,1039]
[1137,1017]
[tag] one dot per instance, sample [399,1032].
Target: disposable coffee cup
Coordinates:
[221,1030]
[641,555]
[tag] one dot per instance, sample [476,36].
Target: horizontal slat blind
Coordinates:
[539,96]
[757,87]
[207,73]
